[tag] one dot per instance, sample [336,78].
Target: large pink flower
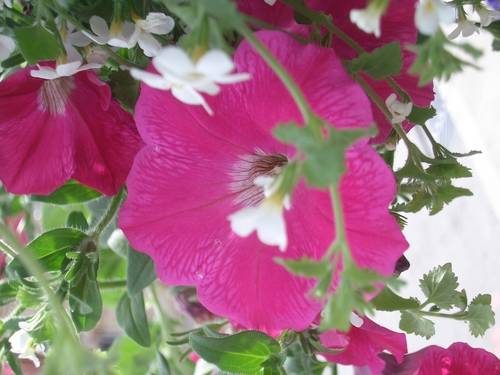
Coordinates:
[397,25]
[363,344]
[54,130]
[458,359]
[198,169]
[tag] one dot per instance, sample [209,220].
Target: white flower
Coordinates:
[22,343]
[62,70]
[267,219]
[368,19]
[6,2]
[187,78]
[155,23]
[486,16]
[270,2]
[7,46]
[430,12]
[466,27]
[398,109]
[119,35]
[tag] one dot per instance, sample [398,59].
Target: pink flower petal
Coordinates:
[187,181]
[363,345]
[85,136]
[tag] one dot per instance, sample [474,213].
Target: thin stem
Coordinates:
[162,319]
[9,237]
[113,207]
[268,26]
[112,285]
[340,237]
[282,74]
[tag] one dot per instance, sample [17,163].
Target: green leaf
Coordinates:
[305,266]
[325,157]
[419,115]
[85,300]
[133,359]
[387,300]
[71,192]
[482,299]
[13,362]
[37,44]
[49,249]
[242,353]
[163,367]
[298,363]
[380,63]
[13,61]
[77,220]
[125,88]
[30,298]
[8,292]
[413,323]
[131,316]
[493,28]
[140,271]
[480,317]
[448,171]
[439,286]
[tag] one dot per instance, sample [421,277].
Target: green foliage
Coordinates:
[133,359]
[242,353]
[439,286]
[71,192]
[49,249]
[324,163]
[387,300]
[305,266]
[380,63]
[140,271]
[131,316]
[435,61]
[420,115]
[125,89]
[8,291]
[37,44]
[76,219]
[414,323]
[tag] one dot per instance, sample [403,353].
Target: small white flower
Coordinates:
[155,23]
[356,320]
[62,70]
[430,12]
[398,109]
[486,16]
[267,219]
[368,19]
[7,46]
[186,78]
[96,55]
[6,2]
[465,27]
[118,35]
[22,343]
[270,2]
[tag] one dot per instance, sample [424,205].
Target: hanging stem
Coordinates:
[113,207]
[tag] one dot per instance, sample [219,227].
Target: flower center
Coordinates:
[53,94]
[248,169]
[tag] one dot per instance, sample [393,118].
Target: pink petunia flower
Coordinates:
[68,127]
[198,169]
[458,359]
[363,344]
[397,25]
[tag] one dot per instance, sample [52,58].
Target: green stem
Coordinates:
[340,237]
[288,81]
[113,207]
[162,319]
[32,265]
[268,26]
[10,238]
[112,284]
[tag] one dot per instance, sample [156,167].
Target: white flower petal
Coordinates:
[367,19]
[99,26]
[157,23]
[175,61]
[188,95]
[64,70]
[244,222]
[154,80]
[7,46]
[233,78]
[206,86]
[44,72]
[215,63]
[149,44]
[270,2]
[78,39]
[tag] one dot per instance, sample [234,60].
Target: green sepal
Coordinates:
[37,44]
[71,192]
[131,316]
[242,353]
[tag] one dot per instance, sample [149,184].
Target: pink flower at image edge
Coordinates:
[69,127]
[198,169]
